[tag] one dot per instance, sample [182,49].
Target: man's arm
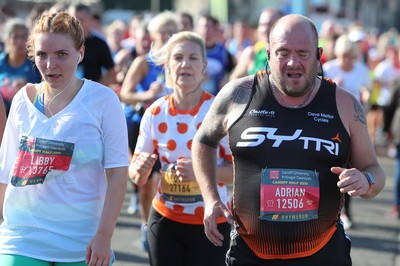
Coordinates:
[363,157]
[226,108]
[204,161]
[205,143]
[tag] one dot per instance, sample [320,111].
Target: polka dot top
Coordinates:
[168,132]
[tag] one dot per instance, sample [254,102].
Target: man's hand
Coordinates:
[351,181]
[211,213]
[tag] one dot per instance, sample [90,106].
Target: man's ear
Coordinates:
[319,53]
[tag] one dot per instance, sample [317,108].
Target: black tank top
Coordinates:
[270,138]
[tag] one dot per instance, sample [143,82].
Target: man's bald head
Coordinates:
[295,22]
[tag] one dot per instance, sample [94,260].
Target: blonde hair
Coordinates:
[343,45]
[61,22]
[116,25]
[162,19]
[162,55]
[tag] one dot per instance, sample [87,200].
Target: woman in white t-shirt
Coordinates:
[346,70]
[63,159]
[352,75]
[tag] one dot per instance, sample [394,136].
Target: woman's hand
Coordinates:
[184,169]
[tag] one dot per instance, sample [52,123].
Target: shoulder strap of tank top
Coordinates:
[327,90]
[261,81]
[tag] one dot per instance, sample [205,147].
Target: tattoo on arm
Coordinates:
[359,114]
[207,141]
[241,93]
[238,96]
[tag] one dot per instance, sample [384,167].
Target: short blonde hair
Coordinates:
[162,55]
[162,19]
[343,45]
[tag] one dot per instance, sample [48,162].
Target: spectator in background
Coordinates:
[358,35]
[374,112]
[15,68]
[58,7]
[391,127]
[185,22]
[220,61]
[240,38]
[97,24]
[5,13]
[329,33]
[254,58]
[34,14]
[115,33]
[3,119]
[143,84]
[124,57]
[97,63]
[385,72]
[349,72]
[134,23]
[329,49]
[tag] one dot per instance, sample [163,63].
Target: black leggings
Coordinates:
[179,244]
[335,253]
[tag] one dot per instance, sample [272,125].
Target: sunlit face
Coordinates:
[265,22]
[143,41]
[116,36]
[164,33]
[347,60]
[186,65]
[206,29]
[56,58]
[185,24]
[16,42]
[293,60]
[85,20]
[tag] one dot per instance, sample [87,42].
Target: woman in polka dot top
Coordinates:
[176,231]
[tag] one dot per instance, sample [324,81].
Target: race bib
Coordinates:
[37,157]
[289,195]
[178,191]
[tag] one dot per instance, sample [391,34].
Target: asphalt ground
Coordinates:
[375,236]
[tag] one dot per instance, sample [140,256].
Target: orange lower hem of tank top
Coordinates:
[297,255]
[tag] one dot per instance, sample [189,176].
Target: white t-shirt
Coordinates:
[55,220]
[385,72]
[352,81]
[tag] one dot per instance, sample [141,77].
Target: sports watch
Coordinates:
[370,179]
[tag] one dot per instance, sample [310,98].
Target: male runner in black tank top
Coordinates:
[291,134]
